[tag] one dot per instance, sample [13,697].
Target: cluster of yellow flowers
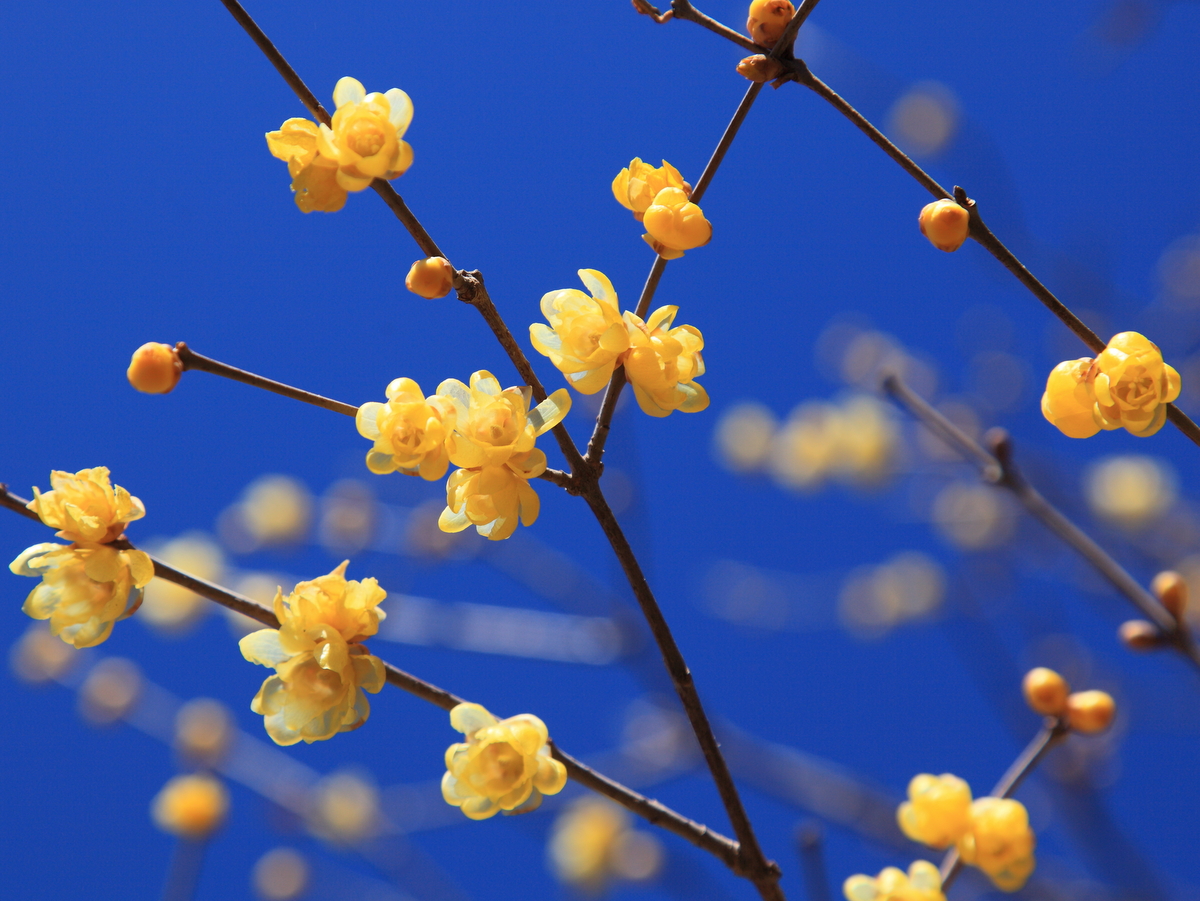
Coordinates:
[1127,386]
[322,668]
[589,337]
[922,882]
[659,199]
[488,432]
[365,142]
[87,585]
[990,833]
[504,765]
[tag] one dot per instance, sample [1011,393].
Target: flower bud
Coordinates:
[768,19]
[1067,402]
[1045,691]
[1090,711]
[431,278]
[759,69]
[155,368]
[945,224]
[1139,635]
[1170,588]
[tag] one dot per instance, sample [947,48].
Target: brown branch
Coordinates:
[997,468]
[653,811]
[684,10]
[1051,733]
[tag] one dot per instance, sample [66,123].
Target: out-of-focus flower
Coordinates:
[1090,711]
[973,516]
[409,431]
[314,176]
[664,362]
[743,436]
[204,730]
[84,590]
[191,807]
[503,764]
[945,224]
[636,187]
[1132,385]
[1045,691]
[999,842]
[365,137]
[675,224]
[155,368]
[923,882]
[924,118]
[430,278]
[937,811]
[276,509]
[172,607]
[280,875]
[322,669]
[1130,490]
[768,19]
[1067,402]
[110,691]
[877,598]
[38,657]
[586,336]
[855,440]
[85,506]
[592,840]
[345,808]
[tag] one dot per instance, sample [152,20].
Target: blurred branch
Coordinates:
[799,72]
[811,844]
[183,872]
[998,469]
[1052,732]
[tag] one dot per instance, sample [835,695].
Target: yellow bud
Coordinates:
[1090,711]
[155,368]
[768,19]
[431,278]
[1170,588]
[759,69]
[1139,635]
[190,806]
[945,224]
[1045,691]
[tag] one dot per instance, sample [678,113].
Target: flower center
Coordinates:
[365,138]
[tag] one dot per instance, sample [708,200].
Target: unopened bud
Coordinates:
[155,368]
[945,224]
[760,69]
[1139,635]
[1045,691]
[1090,711]
[1170,588]
[431,278]
[768,19]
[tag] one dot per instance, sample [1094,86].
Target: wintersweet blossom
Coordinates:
[636,186]
[192,806]
[322,669]
[937,811]
[1067,402]
[85,506]
[586,336]
[84,589]
[503,764]
[493,499]
[1132,385]
[314,177]
[999,842]
[663,363]
[923,882]
[409,431]
[365,139]
[675,224]
[768,19]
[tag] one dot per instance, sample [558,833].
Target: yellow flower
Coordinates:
[503,764]
[1067,402]
[636,186]
[155,368]
[937,810]
[584,839]
[663,362]
[321,666]
[85,506]
[191,806]
[84,589]
[923,882]
[999,842]
[365,140]
[675,224]
[1132,385]
[587,336]
[409,431]
[493,499]
[314,177]
[768,19]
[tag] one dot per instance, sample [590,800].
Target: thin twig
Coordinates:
[997,468]
[811,843]
[183,872]
[684,10]
[1051,733]
[698,834]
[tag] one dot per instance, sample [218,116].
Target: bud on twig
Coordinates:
[1171,589]
[760,69]
[1140,635]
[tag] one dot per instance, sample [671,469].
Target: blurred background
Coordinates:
[856,606]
